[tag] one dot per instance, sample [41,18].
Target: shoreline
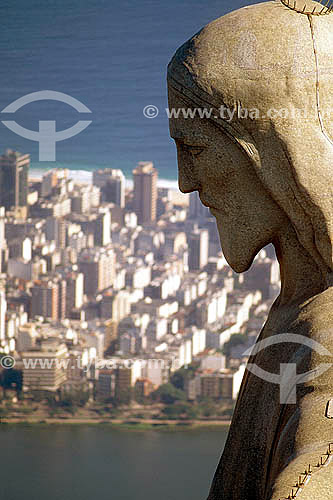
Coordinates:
[85,177]
[131,424]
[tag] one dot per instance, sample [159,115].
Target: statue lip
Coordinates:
[206,204]
[214,211]
[211,209]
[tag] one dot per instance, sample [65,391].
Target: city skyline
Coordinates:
[135,273]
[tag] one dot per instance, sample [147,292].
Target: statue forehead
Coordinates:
[193,129]
[263,57]
[263,40]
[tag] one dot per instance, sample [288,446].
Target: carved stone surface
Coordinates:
[329,410]
[263,162]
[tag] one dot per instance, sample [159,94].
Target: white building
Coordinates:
[237,381]
[156,371]
[185,352]
[26,270]
[45,369]
[213,362]
[198,341]
[3,309]
[26,337]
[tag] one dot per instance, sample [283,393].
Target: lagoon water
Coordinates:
[111,55]
[97,462]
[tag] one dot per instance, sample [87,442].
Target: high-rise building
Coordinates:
[26,337]
[259,276]
[115,305]
[196,209]
[3,309]
[102,228]
[20,248]
[98,268]
[49,181]
[75,291]
[84,198]
[45,299]
[14,169]
[48,371]
[52,178]
[145,192]
[2,237]
[55,230]
[97,224]
[123,382]
[111,181]
[62,298]
[198,244]
[105,385]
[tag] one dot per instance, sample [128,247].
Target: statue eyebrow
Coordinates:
[177,136]
[189,141]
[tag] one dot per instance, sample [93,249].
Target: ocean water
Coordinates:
[112,56]
[78,462]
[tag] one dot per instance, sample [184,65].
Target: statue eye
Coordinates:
[194,150]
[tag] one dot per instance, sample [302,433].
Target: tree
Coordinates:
[51,401]
[193,411]
[123,396]
[69,403]
[3,412]
[181,410]
[12,379]
[180,376]
[82,397]
[168,394]
[235,339]
[208,407]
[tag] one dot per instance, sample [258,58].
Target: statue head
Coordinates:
[259,144]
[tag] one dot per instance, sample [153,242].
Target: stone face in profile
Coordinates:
[263,162]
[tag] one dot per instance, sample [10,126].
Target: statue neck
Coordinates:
[301,278]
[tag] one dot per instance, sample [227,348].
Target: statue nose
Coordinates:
[187,178]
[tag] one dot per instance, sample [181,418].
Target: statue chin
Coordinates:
[239,263]
[238,249]
[239,267]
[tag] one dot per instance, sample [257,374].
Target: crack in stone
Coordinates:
[320,118]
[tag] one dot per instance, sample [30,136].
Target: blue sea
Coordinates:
[110,55]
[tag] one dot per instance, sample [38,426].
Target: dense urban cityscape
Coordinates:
[117,302]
